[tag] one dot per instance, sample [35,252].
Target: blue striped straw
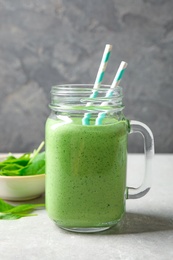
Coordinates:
[118,78]
[102,68]
[115,83]
[98,80]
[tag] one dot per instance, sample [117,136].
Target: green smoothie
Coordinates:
[85,172]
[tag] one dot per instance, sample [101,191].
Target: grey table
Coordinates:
[145,233]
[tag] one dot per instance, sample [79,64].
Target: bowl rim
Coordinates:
[23,177]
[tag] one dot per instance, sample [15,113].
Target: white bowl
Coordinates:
[18,188]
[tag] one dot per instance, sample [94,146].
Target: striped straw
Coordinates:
[101,72]
[98,80]
[118,77]
[115,83]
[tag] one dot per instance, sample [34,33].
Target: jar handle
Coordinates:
[144,130]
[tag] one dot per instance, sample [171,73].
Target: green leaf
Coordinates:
[39,157]
[9,173]
[34,168]
[2,165]
[11,170]
[9,212]
[11,157]
[9,216]
[12,167]
[18,161]
[25,156]
[4,206]
[24,208]
[27,164]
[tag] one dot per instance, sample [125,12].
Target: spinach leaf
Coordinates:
[27,164]
[24,208]
[4,206]
[10,170]
[39,157]
[11,167]
[23,160]
[10,216]
[9,212]
[9,173]
[34,168]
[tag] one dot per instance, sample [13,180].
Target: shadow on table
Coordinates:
[136,223]
[132,223]
[38,200]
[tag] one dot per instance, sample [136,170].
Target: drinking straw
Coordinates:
[115,83]
[117,79]
[98,80]
[101,70]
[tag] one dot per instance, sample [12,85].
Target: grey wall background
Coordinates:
[48,42]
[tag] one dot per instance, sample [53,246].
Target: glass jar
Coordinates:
[86,157]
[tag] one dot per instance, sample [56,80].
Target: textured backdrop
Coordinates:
[48,42]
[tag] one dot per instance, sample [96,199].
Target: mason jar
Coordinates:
[86,157]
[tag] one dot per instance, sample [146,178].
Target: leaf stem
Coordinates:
[34,154]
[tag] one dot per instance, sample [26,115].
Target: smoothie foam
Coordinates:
[85,172]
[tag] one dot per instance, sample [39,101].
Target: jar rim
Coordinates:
[83,97]
[83,88]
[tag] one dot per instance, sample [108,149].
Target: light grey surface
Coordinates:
[49,42]
[145,233]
